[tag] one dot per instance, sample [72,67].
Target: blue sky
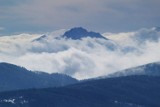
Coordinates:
[17,16]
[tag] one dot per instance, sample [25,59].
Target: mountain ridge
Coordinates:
[21,78]
[150,69]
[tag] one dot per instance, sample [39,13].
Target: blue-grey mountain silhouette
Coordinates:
[79,33]
[14,77]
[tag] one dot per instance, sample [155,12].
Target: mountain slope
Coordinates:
[131,91]
[151,69]
[13,77]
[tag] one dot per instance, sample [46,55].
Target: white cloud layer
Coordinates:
[84,58]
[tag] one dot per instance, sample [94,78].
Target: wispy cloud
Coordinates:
[101,15]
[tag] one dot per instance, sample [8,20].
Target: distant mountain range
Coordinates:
[13,77]
[134,87]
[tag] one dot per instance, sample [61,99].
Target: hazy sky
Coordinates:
[18,16]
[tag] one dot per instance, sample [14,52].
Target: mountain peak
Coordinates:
[79,33]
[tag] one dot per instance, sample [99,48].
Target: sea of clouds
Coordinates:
[82,59]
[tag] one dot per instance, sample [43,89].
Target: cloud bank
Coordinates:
[86,58]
